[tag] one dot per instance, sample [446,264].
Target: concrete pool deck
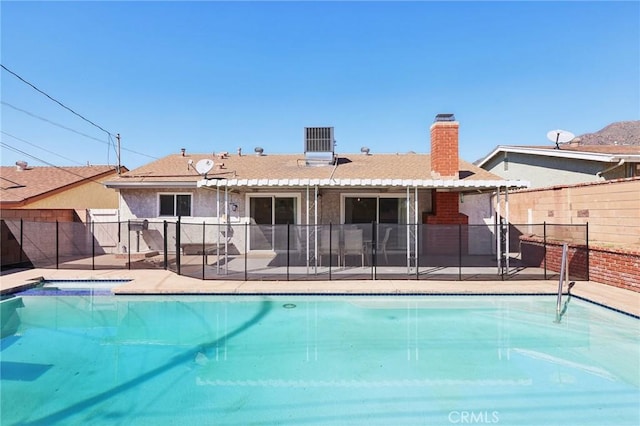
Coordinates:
[159,281]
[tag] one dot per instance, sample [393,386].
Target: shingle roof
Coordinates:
[176,168]
[17,186]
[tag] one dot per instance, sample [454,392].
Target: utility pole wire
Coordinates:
[52,122]
[39,147]
[110,143]
[64,169]
[55,100]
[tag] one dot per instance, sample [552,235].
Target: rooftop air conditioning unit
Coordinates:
[319,146]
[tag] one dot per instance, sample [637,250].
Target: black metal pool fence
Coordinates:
[238,251]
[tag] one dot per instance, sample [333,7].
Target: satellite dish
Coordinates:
[560,136]
[204,166]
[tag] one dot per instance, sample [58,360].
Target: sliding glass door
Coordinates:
[269,216]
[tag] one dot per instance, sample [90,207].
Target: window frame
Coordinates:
[175,203]
[377,195]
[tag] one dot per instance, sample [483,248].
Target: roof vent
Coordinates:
[21,165]
[365,150]
[319,146]
[258,150]
[445,117]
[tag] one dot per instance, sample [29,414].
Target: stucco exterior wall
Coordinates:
[89,195]
[144,203]
[479,210]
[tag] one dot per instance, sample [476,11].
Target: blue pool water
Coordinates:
[216,360]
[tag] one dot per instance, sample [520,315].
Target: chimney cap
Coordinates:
[445,117]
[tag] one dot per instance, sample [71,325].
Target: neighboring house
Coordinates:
[611,153]
[317,186]
[48,194]
[593,181]
[572,163]
[30,188]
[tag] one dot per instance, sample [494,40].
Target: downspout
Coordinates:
[620,163]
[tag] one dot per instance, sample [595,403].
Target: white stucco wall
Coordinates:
[480,212]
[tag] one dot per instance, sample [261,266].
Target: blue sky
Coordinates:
[215,76]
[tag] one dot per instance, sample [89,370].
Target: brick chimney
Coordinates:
[444,147]
[444,165]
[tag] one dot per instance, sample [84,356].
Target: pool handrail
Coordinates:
[564,275]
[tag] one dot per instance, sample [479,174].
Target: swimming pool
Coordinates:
[95,359]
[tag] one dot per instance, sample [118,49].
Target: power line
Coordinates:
[9,147]
[39,147]
[52,122]
[46,120]
[55,100]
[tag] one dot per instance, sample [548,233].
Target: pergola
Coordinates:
[410,186]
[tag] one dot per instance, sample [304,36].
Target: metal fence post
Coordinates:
[178,245]
[204,248]
[57,244]
[21,246]
[288,247]
[418,232]
[374,250]
[544,248]
[93,246]
[587,248]
[330,249]
[246,252]
[129,243]
[460,252]
[165,245]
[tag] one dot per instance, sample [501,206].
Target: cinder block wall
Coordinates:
[611,208]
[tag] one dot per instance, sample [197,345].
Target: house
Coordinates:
[591,183]
[48,194]
[315,187]
[586,158]
[52,188]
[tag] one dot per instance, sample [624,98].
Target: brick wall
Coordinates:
[446,213]
[619,268]
[615,267]
[446,209]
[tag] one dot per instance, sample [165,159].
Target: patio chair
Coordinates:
[353,245]
[382,244]
[325,249]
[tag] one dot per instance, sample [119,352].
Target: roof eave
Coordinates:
[149,185]
[452,184]
[579,155]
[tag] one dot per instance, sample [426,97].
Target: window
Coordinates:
[367,209]
[175,205]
